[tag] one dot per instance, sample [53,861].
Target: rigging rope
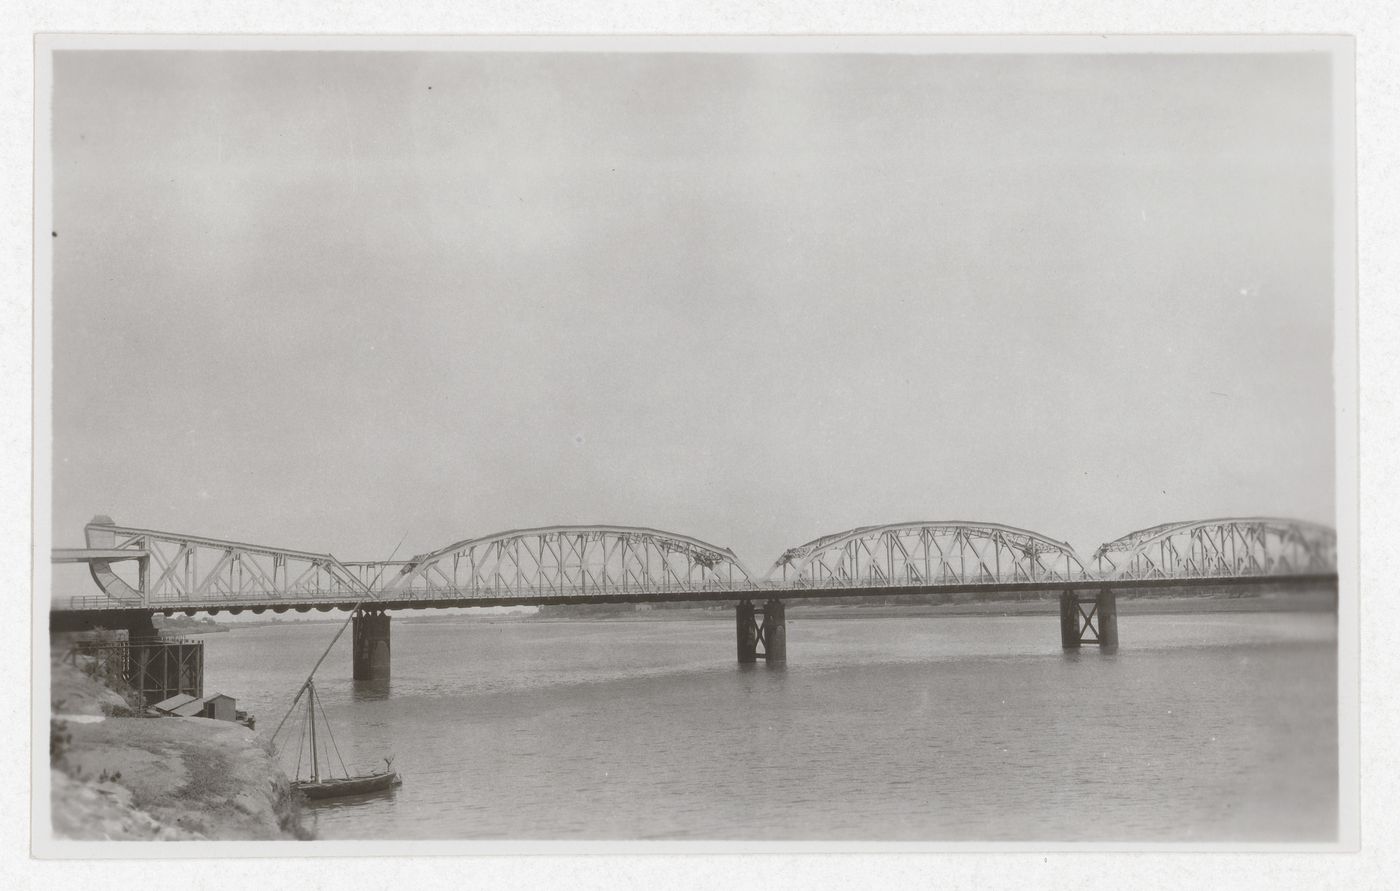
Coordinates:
[369,595]
[300,740]
[316,698]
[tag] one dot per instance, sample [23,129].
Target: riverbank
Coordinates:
[118,777]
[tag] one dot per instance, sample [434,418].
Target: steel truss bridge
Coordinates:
[151,571]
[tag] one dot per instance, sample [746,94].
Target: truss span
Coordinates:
[568,561]
[1221,548]
[146,569]
[928,554]
[183,570]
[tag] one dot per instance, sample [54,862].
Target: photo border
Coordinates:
[1346,365]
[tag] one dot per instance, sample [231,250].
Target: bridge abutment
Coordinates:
[1089,619]
[142,627]
[371,645]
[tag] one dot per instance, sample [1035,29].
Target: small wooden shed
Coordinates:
[220,707]
[192,709]
[179,701]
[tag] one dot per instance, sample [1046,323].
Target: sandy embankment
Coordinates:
[159,778]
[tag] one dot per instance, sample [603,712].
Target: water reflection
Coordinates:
[370,691]
[1077,654]
[761,665]
[350,802]
[627,730]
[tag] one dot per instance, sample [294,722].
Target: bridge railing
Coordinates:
[273,600]
[245,599]
[595,563]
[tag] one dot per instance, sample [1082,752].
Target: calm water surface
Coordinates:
[1201,728]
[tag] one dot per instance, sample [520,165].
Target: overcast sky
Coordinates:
[324,301]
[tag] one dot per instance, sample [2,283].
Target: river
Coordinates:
[1202,728]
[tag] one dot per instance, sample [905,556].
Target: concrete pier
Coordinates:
[746,632]
[142,627]
[1082,624]
[761,635]
[774,631]
[371,645]
[1107,615]
[1069,620]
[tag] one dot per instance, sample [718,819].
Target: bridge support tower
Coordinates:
[761,635]
[1089,619]
[746,630]
[371,645]
[142,627]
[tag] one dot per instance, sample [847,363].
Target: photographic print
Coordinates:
[685,440]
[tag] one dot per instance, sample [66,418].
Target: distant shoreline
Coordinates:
[797,610]
[1277,602]
[187,627]
[1126,606]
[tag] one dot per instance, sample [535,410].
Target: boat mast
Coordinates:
[368,594]
[311,710]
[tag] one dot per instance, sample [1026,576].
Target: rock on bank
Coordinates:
[161,778]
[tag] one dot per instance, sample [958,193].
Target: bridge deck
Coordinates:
[406,600]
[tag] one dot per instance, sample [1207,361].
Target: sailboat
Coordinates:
[326,785]
[330,786]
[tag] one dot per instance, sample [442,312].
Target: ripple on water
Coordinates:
[1222,729]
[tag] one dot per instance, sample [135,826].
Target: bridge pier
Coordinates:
[1107,604]
[1096,624]
[746,631]
[774,631]
[371,645]
[142,627]
[761,635]
[1069,620]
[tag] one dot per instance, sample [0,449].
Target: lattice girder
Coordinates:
[569,561]
[185,569]
[927,554]
[1221,548]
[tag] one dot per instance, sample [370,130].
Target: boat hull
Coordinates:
[339,788]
